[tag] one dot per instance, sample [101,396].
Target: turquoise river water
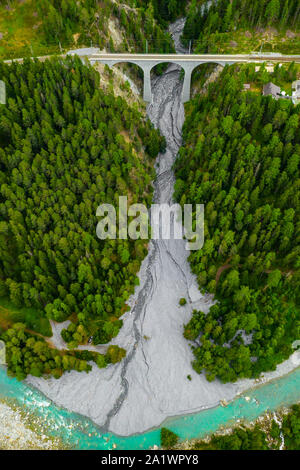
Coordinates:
[80,433]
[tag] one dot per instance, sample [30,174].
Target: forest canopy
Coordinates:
[165,10]
[207,21]
[88,19]
[34,28]
[65,148]
[27,353]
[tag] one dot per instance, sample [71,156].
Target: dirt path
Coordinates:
[222,269]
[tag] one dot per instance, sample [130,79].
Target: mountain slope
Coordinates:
[241,26]
[50,26]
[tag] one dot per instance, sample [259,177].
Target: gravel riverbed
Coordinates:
[16,434]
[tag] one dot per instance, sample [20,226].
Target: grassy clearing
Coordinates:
[21,31]
[32,318]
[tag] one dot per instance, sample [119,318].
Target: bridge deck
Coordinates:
[197,57]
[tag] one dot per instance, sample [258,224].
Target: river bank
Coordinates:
[263,422]
[78,432]
[17,431]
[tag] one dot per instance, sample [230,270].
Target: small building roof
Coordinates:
[271,89]
[296,86]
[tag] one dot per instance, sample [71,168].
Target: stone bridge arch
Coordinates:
[187,92]
[148,65]
[144,66]
[189,67]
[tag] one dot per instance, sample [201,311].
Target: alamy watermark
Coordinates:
[160,222]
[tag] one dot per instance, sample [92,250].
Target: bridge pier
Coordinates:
[147,96]
[186,89]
